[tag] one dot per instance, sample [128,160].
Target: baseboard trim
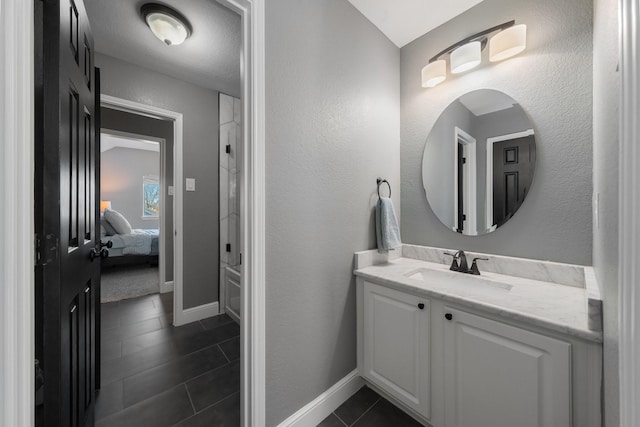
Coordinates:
[166,287]
[319,408]
[198,313]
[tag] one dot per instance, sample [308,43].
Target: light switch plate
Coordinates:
[170,190]
[191,184]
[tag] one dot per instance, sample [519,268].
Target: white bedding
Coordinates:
[136,243]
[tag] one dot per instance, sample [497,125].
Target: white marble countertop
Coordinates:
[560,308]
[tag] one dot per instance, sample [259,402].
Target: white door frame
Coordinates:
[488,200]
[162,262]
[16,217]
[629,220]
[178,166]
[17,213]
[470,185]
[252,212]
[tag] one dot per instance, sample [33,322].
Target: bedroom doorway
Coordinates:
[132,207]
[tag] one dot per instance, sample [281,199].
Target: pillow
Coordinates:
[108,229]
[117,221]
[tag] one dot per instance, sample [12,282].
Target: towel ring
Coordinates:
[381,181]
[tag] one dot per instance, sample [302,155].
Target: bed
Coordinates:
[138,247]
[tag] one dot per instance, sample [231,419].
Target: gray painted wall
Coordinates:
[121,174]
[199,107]
[552,80]
[606,90]
[332,127]
[142,125]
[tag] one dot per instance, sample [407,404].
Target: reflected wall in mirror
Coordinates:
[478,162]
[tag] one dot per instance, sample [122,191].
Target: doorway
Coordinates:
[465,183]
[18,18]
[133,186]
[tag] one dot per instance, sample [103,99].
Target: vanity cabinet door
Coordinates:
[498,375]
[396,345]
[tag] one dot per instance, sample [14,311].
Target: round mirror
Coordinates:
[478,162]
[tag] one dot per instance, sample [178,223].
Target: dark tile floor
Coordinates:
[367,408]
[154,374]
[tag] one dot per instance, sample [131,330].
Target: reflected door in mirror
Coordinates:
[512,160]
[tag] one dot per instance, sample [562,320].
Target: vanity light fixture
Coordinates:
[466,57]
[508,43]
[434,73]
[506,40]
[167,24]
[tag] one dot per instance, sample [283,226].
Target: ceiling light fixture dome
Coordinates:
[167,24]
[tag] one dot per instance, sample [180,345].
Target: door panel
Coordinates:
[501,376]
[67,208]
[512,174]
[394,320]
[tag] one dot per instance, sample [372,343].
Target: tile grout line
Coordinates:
[224,354]
[340,419]
[365,412]
[190,400]
[170,361]
[219,401]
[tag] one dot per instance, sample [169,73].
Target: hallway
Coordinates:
[154,374]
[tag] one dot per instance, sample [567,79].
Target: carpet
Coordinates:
[125,282]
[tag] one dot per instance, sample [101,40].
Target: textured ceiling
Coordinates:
[209,58]
[403,21]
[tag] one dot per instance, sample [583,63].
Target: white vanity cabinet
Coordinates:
[452,365]
[395,345]
[500,375]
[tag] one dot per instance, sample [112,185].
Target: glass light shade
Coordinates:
[104,204]
[434,73]
[466,57]
[508,43]
[167,28]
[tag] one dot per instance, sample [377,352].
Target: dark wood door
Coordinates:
[68,273]
[512,175]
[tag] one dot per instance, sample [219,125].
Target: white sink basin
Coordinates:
[459,281]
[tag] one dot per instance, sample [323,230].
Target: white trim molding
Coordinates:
[166,287]
[319,408]
[17,213]
[629,209]
[200,312]
[178,249]
[252,212]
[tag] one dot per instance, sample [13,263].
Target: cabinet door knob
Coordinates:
[421,306]
[448,316]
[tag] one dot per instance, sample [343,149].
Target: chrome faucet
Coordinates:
[461,265]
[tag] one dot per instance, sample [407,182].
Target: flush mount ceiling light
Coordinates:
[167,24]
[506,40]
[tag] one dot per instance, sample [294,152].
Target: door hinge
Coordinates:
[228,247]
[464,160]
[464,217]
[46,249]
[228,148]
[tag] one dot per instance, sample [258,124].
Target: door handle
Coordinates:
[109,244]
[421,306]
[448,316]
[94,253]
